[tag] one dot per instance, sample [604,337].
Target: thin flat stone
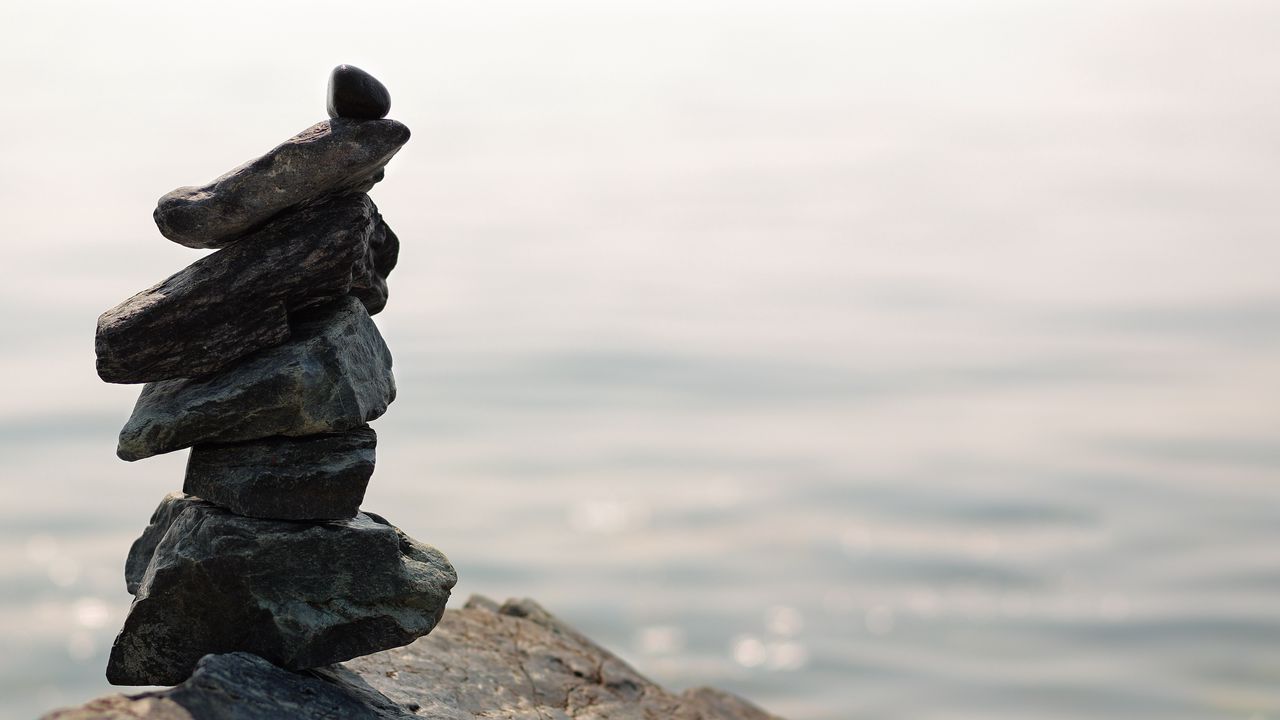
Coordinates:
[354,93]
[237,300]
[332,156]
[318,477]
[300,595]
[333,375]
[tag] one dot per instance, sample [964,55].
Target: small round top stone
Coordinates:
[355,94]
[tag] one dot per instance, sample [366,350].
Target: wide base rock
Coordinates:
[318,477]
[484,661]
[335,375]
[300,595]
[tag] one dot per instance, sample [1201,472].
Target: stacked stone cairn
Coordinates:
[262,358]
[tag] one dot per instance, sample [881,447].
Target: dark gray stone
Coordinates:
[263,691]
[237,300]
[243,686]
[330,157]
[514,662]
[354,93]
[135,565]
[318,477]
[333,375]
[369,280]
[300,595]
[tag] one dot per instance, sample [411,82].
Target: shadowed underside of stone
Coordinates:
[300,595]
[235,301]
[334,375]
[318,477]
[333,156]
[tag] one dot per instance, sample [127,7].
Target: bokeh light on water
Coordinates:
[907,359]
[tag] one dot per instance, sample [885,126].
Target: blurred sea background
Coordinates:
[871,359]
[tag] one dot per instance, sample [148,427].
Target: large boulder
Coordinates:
[519,661]
[333,375]
[317,477]
[300,595]
[331,157]
[237,300]
[512,662]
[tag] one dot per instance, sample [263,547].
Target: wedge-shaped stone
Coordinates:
[333,156]
[235,301]
[318,477]
[300,595]
[333,375]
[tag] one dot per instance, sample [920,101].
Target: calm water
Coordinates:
[870,359]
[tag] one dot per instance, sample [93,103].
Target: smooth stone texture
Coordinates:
[333,375]
[330,157]
[300,595]
[237,300]
[513,662]
[318,477]
[354,93]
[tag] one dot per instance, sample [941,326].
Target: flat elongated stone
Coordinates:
[333,375]
[235,301]
[354,93]
[333,156]
[300,595]
[318,477]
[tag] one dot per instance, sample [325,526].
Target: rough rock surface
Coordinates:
[369,279]
[318,477]
[144,548]
[333,156]
[235,301]
[300,595]
[354,93]
[334,375]
[513,662]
